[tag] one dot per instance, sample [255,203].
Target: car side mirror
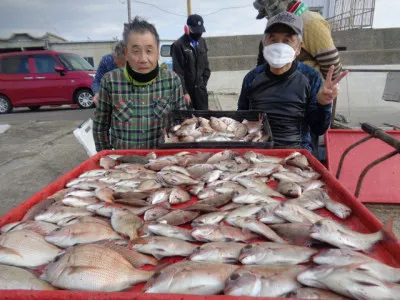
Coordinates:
[60,70]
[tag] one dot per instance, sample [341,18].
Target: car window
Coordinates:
[17,64]
[75,62]
[166,51]
[45,63]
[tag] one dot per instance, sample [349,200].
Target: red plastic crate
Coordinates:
[361,220]
[382,182]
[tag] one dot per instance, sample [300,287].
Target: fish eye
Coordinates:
[248,247]
[156,275]
[234,277]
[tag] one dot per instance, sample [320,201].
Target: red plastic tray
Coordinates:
[382,182]
[361,220]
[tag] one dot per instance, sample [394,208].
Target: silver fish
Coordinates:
[290,189]
[295,233]
[100,209]
[104,194]
[207,193]
[13,278]
[211,176]
[267,214]
[296,214]
[160,196]
[198,170]
[257,227]
[178,217]
[193,278]
[216,233]
[171,231]
[177,169]
[231,166]
[56,214]
[370,266]
[259,186]
[94,173]
[252,197]
[178,196]
[311,185]
[25,248]
[79,202]
[93,267]
[311,200]
[126,223]
[160,246]
[42,205]
[213,218]
[290,177]
[249,210]
[81,233]
[175,179]
[337,235]
[263,281]
[39,227]
[217,200]
[221,156]
[230,206]
[196,189]
[154,213]
[266,253]
[349,281]
[222,252]
[86,219]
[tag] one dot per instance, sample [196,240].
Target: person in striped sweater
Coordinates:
[318,49]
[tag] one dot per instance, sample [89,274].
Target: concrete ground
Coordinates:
[39,147]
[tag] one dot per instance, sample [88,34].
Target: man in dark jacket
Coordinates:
[293,94]
[190,62]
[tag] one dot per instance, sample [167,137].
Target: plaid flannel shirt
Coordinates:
[135,113]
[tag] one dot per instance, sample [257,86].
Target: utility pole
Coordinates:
[189,7]
[129,11]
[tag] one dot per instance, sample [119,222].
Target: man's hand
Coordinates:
[330,90]
[96,98]
[187,99]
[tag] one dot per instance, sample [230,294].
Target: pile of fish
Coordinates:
[224,129]
[244,225]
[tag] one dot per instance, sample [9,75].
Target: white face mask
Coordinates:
[279,55]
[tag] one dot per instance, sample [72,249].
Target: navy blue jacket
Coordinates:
[290,101]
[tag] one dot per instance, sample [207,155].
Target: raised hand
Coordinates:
[330,90]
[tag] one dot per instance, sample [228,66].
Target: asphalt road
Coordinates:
[48,113]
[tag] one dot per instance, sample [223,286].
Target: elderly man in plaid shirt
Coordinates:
[134,101]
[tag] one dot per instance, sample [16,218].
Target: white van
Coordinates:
[165,54]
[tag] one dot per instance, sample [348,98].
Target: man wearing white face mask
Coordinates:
[292,94]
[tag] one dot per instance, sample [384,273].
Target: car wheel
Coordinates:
[5,105]
[84,98]
[34,108]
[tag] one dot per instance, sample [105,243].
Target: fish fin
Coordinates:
[357,266]
[6,250]
[388,231]
[158,256]
[77,269]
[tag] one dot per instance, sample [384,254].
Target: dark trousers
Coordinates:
[199,98]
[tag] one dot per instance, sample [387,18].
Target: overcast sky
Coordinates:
[103,19]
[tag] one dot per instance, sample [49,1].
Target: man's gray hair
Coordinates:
[118,49]
[140,25]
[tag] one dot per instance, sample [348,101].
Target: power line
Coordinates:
[179,15]
[226,8]
[162,9]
